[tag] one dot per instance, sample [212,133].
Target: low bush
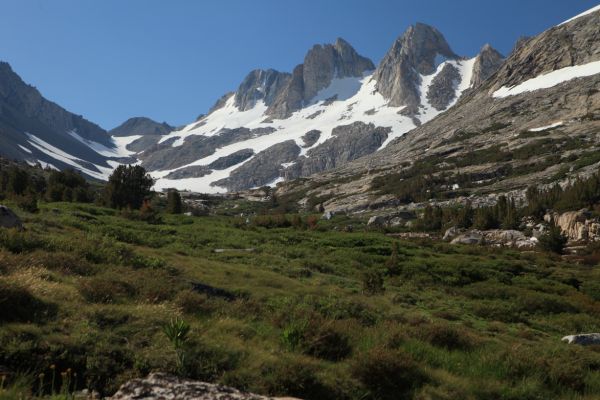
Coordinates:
[388,374]
[18,304]
[447,336]
[105,290]
[20,241]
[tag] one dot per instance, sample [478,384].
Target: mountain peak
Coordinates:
[488,61]
[417,51]
[322,64]
[141,126]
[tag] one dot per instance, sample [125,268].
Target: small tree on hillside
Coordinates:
[174,205]
[553,240]
[128,186]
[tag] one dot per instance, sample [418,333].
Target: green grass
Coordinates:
[93,291]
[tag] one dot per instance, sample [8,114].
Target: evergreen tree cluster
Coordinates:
[504,214]
[580,193]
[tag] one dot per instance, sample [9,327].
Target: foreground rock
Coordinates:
[9,219]
[169,387]
[584,339]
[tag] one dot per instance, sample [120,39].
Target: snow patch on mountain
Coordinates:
[543,128]
[550,79]
[77,163]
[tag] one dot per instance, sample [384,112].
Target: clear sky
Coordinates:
[170,60]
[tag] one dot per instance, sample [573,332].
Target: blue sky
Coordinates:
[171,60]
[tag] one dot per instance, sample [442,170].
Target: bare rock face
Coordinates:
[263,168]
[443,87]
[260,85]
[487,63]
[321,65]
[164,156]
[348,143]
[167,387]
[8,219]
[577,225]
[417,51]
[311,137]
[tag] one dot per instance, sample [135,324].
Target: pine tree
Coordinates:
[128,186]
[553,240]
[174,205]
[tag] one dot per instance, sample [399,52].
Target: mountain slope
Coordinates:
[35,130]
[328,95]
[535,121]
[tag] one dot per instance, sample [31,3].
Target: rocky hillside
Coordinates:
[535,121]
[37,130]
[335,107]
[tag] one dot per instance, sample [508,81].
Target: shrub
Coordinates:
[19,242]
[288,377]
[27,202]
[191,302]
[17,304]
[447,336]
[326,342]
[372,282]
[388,374]
[63,262]
[104,290]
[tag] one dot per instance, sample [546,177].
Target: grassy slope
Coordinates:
[89,290]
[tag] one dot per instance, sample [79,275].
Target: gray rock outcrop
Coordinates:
[416,52]
[263,168]
[8,219]
[584,339]
[472,237]
[577,225]
[164,156]
[160,386]
[231,159]
[311,137]
[258,85]
[443,87]
[348,142]
[487,63]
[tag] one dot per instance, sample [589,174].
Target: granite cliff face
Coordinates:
[418,51]
[260,85]
[321,65]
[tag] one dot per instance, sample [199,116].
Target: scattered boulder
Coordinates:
[472,237]
[168,387]
[584,339]
[451,233]
[8,219]
[377,220]
[327,215]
